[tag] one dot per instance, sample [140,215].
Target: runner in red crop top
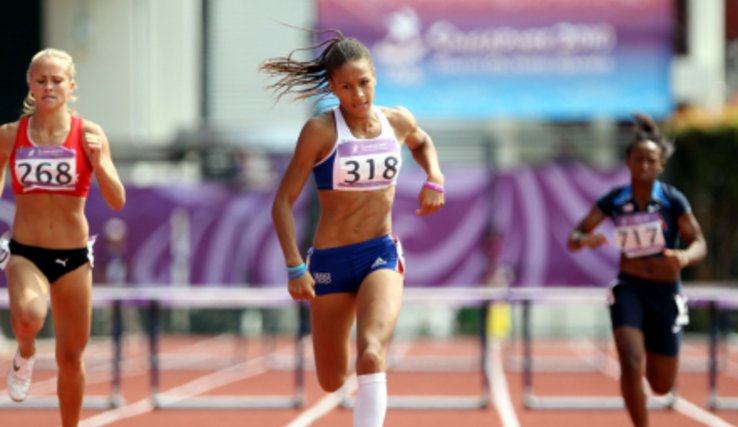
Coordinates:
[52,155]
[62,169]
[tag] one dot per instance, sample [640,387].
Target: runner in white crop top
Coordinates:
[355,269]
[360,164]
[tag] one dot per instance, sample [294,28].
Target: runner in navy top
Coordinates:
[646,306]
[355,267]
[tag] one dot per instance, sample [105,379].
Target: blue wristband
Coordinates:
[296,271]
[296,268]
[297,274]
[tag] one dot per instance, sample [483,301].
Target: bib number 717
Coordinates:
[636,240]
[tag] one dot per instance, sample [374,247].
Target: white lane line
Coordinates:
[500,390]
[681,405]
[323,406]
[695,412]
[195,387]
[100,371]
[331,401]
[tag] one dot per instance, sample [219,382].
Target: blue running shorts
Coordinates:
[343,268]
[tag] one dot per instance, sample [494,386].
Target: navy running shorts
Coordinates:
[343,268]
[656,308]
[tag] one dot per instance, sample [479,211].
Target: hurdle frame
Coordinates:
[110,401]
[565,294]
[482,298]
[220,297]
[717,297]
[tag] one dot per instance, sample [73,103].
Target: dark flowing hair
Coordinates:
[305,79]
[645,129]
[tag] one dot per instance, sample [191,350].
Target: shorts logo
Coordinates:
[322,278]
[378,262]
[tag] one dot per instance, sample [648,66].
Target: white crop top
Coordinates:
[360,164]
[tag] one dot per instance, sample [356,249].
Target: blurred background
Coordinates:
[528,101]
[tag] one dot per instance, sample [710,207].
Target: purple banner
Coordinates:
[559,59]
[516,222]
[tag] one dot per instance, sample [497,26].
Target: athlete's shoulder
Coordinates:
[397,113]
[617,191]
[322,124]
[673,194]
[8,132]
[90,126]
[669,189]
[615,196]
[401,119]
[319,133]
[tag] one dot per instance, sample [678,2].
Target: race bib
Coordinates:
[367,164]
[48,168]
[639,234]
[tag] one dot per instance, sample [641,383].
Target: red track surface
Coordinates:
[507,388]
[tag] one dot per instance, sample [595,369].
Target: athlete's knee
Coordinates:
[371,359]
[631,364]
[660,386]
[70,363]
[29,320]
[331,381]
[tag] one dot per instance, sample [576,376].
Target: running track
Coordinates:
[323,410]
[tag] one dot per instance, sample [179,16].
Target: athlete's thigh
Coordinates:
[28,288]
[661,369]
[332,317]
[378,306]
[629,343]
[71,308]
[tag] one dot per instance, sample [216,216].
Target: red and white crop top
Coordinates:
[360,164]
[59,169]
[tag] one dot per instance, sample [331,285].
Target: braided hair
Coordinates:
[305,79]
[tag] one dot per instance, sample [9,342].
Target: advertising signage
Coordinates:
[542,59]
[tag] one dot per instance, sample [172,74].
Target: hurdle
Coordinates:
[717,296]
[468,296]
[100,297]
[568,294]
[156,297]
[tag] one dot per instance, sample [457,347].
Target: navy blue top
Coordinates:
[666,202]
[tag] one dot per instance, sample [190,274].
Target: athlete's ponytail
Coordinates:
[305,79]
[646,129]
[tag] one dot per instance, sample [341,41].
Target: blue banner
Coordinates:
[522,59]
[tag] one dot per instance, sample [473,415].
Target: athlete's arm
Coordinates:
[7,140]
[691,232]
[583,235]
[425,155]
[312,142]
[97,148]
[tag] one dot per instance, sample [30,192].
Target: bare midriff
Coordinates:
[349,217]
[52,221]
[652,268]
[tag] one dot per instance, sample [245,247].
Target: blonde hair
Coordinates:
[29,104]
